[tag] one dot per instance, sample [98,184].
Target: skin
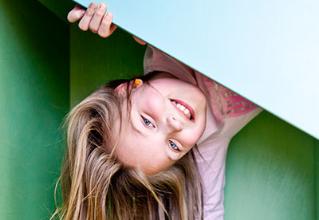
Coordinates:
[154,132]
[96,19]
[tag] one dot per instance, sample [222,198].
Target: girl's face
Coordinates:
[167,118]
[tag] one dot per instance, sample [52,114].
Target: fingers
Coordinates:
[75,14]
[85,21]
[106,27]
[97,18]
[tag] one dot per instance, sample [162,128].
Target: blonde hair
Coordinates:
[95,185]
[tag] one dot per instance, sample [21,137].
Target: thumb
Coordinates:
[75,14]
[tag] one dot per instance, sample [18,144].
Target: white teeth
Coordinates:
[183,109]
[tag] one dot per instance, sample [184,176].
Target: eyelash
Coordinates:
[147,122]
[175,147]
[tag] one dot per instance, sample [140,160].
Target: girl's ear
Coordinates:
[121,89]
[124,87]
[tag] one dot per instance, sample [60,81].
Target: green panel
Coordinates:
[34,97]
[270,173]
[95,60]
[59,7]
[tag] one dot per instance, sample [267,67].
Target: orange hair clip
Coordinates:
[137,83]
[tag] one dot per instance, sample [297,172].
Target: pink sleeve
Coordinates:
[211,159]
[232,125]
[236,111]
[230,110]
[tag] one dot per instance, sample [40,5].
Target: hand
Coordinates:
[96,19]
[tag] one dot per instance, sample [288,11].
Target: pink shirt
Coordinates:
[228,112]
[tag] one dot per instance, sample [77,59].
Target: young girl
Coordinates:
[149,148]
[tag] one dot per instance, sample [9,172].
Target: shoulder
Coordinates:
[230,110]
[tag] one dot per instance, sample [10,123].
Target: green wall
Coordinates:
[271,173]
[59,7]
[34,97]
[95,61]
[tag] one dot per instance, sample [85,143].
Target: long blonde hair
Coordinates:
[95,185]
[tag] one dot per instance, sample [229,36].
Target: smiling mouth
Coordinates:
[184,108]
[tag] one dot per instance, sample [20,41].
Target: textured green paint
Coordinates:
[34,96]
[271,173]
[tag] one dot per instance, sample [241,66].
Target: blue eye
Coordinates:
[147,122]
[173,145]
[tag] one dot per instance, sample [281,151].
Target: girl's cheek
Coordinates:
[152,105]
[193,134]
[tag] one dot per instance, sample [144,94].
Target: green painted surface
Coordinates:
[271,165]
[59,7]
[95,61]
[271,173]
[34,96]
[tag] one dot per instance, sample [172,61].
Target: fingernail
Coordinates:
[92,5]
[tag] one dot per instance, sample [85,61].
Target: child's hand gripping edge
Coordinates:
[96,19]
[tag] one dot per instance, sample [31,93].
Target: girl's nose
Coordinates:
[174,123]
